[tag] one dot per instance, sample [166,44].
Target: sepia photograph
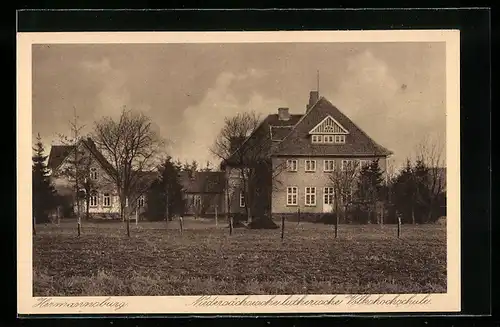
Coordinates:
[221,169]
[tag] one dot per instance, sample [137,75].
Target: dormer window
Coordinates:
[339,139]
[327,139]
[317,139]
[328,131]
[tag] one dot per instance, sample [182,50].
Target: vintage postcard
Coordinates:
[238,172]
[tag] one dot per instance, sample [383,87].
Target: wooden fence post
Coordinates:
[399,226]
[231,226]
[136,216]
[181,224]
[216,223]
[79,224]
[298,216]
[282,227]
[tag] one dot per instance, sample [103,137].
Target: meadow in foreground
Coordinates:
[158,260]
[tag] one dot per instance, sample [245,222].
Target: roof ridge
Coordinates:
[301,119]
[360,129]
[248,137]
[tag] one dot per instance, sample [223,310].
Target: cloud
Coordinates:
[101,66]
[394,111]
[113,94]
[202,122]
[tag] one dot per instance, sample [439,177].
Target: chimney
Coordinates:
[313,98]
[283,114]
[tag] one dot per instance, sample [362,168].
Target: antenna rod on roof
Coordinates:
[317,87]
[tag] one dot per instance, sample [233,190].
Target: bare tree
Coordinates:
[248,145]
[133,147]
[77,162]
[343,180]
[430,153]
[231,137]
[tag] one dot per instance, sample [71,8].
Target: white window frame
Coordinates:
[310,195]
[354,161]
[311,161]
[292,196]
[292,165]
[329,138]
[106,196]
[242,199]
[94,200]
[317,139]
[140,201]
[94,174]
[339,138]
[328,195]
[325,164]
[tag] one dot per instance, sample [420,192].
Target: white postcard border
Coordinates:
[27,304]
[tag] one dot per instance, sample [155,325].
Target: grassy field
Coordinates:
[158,260]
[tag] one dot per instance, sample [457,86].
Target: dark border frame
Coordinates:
[474,25]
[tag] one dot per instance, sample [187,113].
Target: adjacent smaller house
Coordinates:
[103,197]
[203,192]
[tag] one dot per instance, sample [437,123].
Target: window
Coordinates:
[364,163]
[310,165]
[328,138]
[93,200]
[310,196]
[140,201]
[328,195]
[106,200]
[242,199]
[317,138]
[291,165]
[93,173]
[197,201]
[339,138]
[348,164]
[329,165]
[291,195]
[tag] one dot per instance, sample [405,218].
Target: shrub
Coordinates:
[328,218]
[264,222]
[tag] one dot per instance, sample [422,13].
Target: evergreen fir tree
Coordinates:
[165,194]
[44,194]
[422,196]
[369,188]
[405,192]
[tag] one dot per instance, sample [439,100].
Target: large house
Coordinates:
[97,179]
[299,152]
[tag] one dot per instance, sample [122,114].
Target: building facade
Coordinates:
[95,178]
[203,193]
[300,153]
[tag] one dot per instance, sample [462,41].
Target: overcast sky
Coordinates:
[394,91]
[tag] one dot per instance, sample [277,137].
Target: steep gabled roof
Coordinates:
[291,137]
[99,156]
[278,133]
[259,143]
[202,182]
[298,142]
[58,153]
